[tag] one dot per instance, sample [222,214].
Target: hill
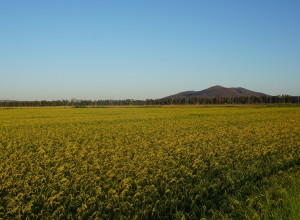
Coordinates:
[7,100]
[217,91]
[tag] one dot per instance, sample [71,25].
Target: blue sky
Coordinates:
[62,49]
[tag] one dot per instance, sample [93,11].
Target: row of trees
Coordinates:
[282,99]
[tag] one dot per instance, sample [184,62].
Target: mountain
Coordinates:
[7,100]
[217,91]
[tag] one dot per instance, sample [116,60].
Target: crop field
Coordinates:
[150,163]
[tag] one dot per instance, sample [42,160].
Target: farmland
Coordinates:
[150,163]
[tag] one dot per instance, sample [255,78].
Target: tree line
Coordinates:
[280,99]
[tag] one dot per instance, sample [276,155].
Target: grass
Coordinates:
[150,163]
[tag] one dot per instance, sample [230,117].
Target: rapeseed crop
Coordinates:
[150,163]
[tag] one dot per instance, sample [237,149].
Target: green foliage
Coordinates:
[150,163]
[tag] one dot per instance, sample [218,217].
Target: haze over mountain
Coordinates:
[217,92]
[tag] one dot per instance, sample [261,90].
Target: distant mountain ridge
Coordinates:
[7,100]
[217,92]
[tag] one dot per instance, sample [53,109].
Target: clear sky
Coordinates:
[63,49]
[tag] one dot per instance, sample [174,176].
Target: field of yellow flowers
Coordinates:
[150,163]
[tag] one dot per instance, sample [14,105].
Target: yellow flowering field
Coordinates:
[150,163]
